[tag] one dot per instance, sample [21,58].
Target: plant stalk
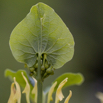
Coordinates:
[39,97]
[39,81]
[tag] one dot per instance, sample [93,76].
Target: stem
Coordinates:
[39,97]
[39,81]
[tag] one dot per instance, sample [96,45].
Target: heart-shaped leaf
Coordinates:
[73,79]
[42,32]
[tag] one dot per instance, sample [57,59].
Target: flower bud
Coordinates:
[42,67]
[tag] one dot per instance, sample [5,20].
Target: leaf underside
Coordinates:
[42,31]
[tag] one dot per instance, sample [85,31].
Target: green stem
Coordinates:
[39,98]
[39,81]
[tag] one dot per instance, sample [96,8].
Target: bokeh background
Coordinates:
[85,20]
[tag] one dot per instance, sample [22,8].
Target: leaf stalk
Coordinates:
[39,81]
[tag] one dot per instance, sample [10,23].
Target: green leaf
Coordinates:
[42,31]
[11,74]
[73,79]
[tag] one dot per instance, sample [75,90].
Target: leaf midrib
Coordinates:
[40,48]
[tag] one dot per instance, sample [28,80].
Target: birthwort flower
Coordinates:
[59,94]
[34,91]
[15,96]
[99,95]
[50,98]
[27,89]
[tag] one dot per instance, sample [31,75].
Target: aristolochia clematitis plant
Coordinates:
[43,43]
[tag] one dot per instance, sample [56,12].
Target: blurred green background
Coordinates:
[85,20]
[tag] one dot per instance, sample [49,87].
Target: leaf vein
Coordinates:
[58,49]
[54,43]
[29,43]
[55,58]
[24,51]
[48,37]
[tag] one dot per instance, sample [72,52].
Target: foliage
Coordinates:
[73,79]
[42,31]
[43,43]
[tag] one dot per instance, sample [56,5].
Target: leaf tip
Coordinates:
[81,78]
[6,72]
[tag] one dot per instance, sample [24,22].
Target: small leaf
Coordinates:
[19,78]
[73,79]
[42,31]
